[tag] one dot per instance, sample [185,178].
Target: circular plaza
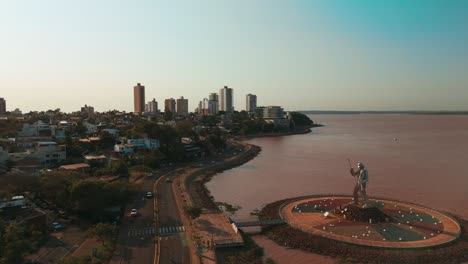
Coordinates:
[383,223]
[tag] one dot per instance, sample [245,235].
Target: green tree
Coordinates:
[119,168]
[107,140]
[300,119]
[185,129]
[192,211]
[168,115]
[15,246]
[103,231]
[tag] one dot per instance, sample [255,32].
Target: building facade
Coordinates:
[2,106]
[139,98]
[152,107]
[269,112]
[226,100]
[144,143]
[182,106]
[170,105]
[213,104]
[87,109]
[251,103]
[49,153]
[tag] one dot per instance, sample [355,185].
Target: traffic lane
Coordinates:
[167,206]
[174,250]
[136,236]
[174,247]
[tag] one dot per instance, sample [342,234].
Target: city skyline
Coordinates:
[320,55]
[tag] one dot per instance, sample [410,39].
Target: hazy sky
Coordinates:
[311,54]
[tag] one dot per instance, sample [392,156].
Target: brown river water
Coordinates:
[416,158]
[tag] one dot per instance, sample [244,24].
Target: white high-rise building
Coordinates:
[251,103]
[226,100]
[152,107]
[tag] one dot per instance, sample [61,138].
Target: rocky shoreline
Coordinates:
[196,182]
[456,252]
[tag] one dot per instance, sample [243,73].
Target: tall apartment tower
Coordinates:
[182,106]
[152,107]
[226,100]
[139,98]
[2,106]
[251,103]
[170,105]
[213,104]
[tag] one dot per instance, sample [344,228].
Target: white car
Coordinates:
[134,212]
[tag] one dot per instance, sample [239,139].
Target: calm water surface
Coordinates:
[416,158]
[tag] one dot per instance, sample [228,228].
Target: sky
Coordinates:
[302,55]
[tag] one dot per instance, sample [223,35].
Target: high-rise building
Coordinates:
[251,103]
[2,106]
[87,109]
[182,106]
[170,105]
[213,104]
[139,98]
[226,100]
[152,107]
[214,97]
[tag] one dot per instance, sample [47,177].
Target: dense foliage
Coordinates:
[90,199]
[300,119]
[17,241]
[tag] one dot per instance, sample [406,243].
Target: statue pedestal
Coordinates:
[353,212]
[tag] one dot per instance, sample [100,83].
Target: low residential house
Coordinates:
[50,153]
[92,140]
[58,133]
[78,167]
[96,160]
[144,143]
[90,128]
[46,153]
[125,149]
[64,124]
[36,129]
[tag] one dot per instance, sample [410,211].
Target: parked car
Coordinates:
[168,180]
[149,195]
[150,174]
[57,226]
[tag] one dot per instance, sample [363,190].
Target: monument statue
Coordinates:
[362,177]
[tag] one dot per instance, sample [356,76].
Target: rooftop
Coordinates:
[95,157]
[75,166]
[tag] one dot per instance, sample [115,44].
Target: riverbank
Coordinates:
[297,131]
[194,185]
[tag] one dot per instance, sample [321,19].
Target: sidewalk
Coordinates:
[210,226]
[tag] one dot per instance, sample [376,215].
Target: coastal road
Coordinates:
[173,241]
[136,242]
[136,239]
